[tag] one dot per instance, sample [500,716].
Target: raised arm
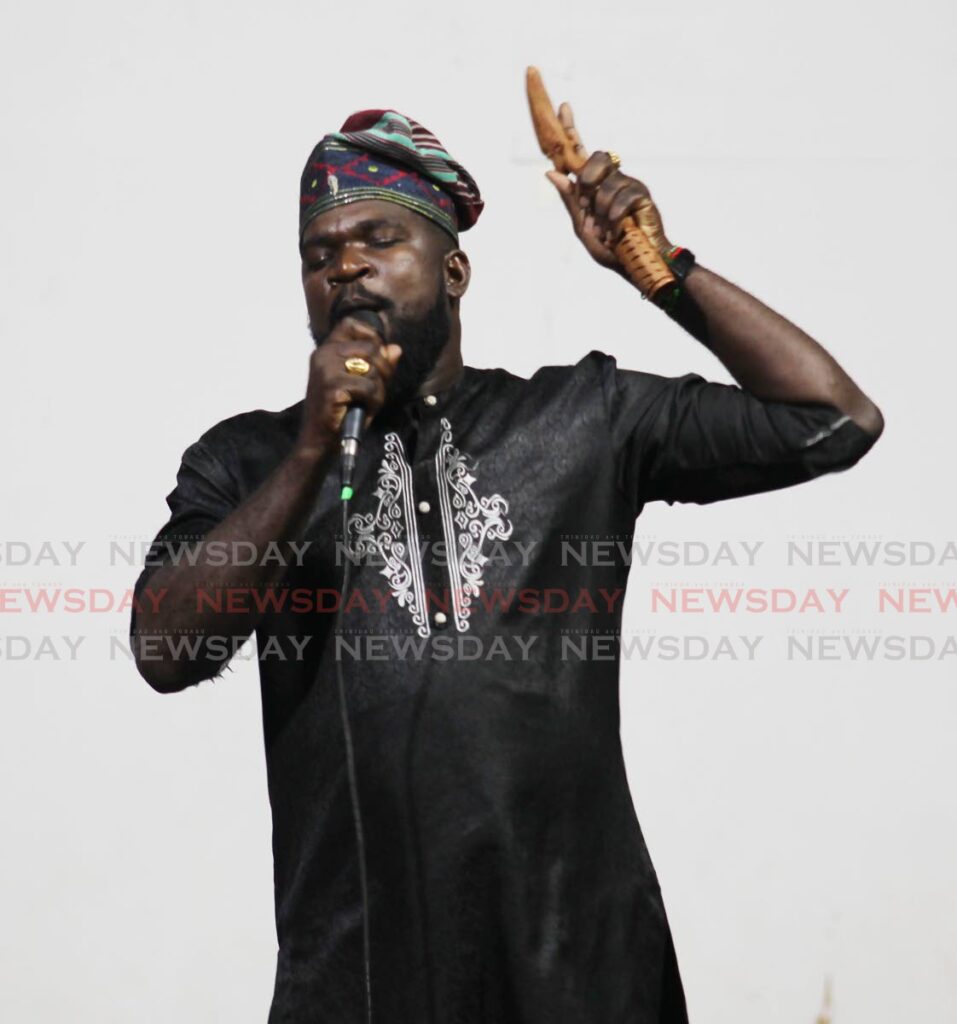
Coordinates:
[767,355]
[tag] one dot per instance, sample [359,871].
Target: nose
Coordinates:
[349,265]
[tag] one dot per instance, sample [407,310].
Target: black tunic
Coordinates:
[509,880]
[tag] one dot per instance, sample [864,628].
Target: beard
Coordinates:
[422,339]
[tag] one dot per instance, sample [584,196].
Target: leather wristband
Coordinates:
[680,261]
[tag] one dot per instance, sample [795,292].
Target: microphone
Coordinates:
[352,424]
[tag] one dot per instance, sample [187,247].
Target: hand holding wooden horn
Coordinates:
[634,242]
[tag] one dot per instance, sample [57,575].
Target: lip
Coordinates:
[347,306]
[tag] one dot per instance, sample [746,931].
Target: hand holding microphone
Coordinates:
[355,418]
[349,374]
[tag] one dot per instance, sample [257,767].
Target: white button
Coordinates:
[440,618]
[430,399]
[424,506]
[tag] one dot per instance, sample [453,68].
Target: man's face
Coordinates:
[378,255]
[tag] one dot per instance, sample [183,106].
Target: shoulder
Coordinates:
[595,379]
[549,381]
[247,445]
[244,427]
[588,364]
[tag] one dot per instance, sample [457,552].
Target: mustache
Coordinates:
[353,298]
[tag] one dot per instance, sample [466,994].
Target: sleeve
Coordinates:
[205,493]
[691,440]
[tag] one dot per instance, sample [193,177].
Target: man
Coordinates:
[507,878]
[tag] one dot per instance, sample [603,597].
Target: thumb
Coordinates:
[392,353]
[559,180]
[565,190]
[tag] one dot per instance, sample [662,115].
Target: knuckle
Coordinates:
[359,346]
[363,387]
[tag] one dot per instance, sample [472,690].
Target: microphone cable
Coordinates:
[351,762]
[352,430]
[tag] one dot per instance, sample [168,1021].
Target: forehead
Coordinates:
[352,218]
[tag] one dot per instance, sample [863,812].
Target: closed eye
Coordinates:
[318,261]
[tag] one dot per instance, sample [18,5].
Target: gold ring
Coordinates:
[357,365]
[615,159]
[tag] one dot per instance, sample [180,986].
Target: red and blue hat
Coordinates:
[382,154]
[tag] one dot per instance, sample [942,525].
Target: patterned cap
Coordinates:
[382,154]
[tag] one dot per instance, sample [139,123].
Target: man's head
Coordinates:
[378,255]
[381,206]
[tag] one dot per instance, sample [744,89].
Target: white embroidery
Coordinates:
[385,531]
[477,520]
[468,521]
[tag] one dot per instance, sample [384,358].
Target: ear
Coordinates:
[457,272]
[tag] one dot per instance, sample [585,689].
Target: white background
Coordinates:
[800,815]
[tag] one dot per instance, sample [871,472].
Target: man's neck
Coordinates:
[446,373]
